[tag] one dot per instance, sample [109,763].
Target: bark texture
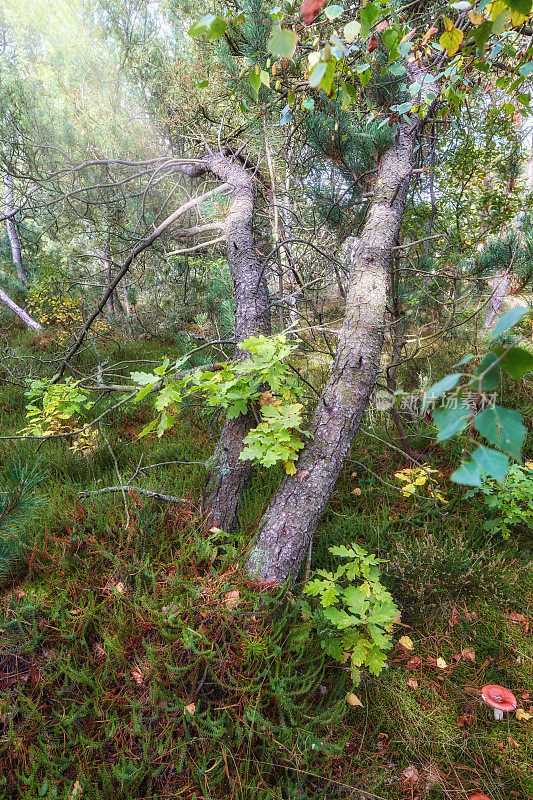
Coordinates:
[26,319]
[288,525]
[12,231]
[228,475]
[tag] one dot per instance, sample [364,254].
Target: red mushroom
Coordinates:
[478,796]
[499,698]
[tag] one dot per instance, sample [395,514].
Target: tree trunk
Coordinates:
[26,319]
[12,232]
[288,525]
[228,475]
[499,288]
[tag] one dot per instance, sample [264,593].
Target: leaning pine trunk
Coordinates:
[229,476]
[26,319]
[288,525]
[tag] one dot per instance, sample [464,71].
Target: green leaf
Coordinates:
[309,103]
[202,25]
[492,462]
[282,43]
[368,16]
[481,35]
[264,77]
[332,12]
[317,73]
[451,420]
[440,388]
[327,81]
[509,319]
[352,30]
[526,69]
[491,380]
[216,30]
[503,428]
[524,6]
[255,83]
[516,362]
[468,474]
[404,108]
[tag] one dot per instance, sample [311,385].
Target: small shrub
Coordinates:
[512,502]
[432,569]
[354,618]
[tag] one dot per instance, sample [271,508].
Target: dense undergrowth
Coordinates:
[138,661]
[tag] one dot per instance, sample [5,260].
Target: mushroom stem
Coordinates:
[498,714]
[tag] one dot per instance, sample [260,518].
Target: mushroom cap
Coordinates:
[478,796]
[498,697]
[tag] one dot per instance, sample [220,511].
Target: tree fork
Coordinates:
[288,525]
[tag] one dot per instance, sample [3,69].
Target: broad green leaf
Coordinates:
[282,43]
[503,428]
[439,388]
[491,368]
[451,420]
[526,69]
[327,81]
[509,319]
[369,14]
[492,462]
[332,12]
[516,362]
[523,6]
[255,83]
[317,73]
[451,40]
[481,35]
[202,25]
[352,30]
[309,103]
[465,360]
[217,29]
[264,77]
[468,474]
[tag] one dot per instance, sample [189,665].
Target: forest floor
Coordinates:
[137,660]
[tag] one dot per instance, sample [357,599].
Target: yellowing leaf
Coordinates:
[475,18]
[451,40]
[406,642]
[290,469]
[523,715]
[517,18]
[191,708]
[353,700]
[427,36]
[441,664]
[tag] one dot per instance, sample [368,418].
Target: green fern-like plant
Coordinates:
[18,505]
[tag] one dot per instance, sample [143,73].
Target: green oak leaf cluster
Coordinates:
[355,613]
[262,383]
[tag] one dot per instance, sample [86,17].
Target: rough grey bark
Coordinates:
[26,319]
[499,287]
[288,525]
[228,475]
[12,231]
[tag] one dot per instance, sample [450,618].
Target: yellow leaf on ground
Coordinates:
[523,715]
[406,642]
[441,664]
[353,700]
[191,708]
